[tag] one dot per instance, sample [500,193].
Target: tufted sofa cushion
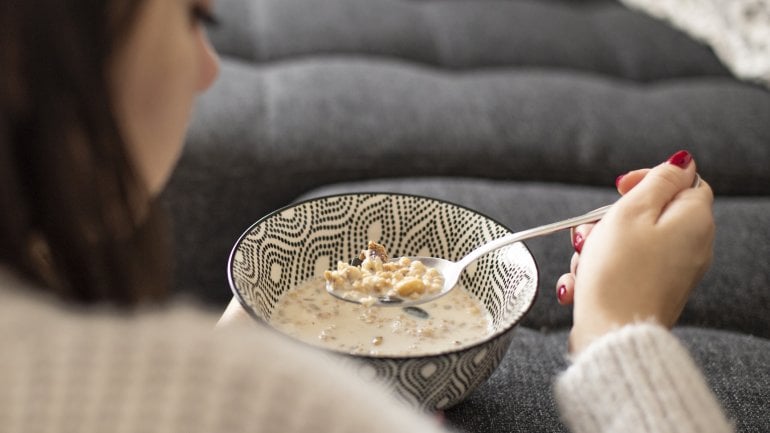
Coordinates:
[597,83]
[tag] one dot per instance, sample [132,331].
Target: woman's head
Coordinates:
[155,75]
[94,102]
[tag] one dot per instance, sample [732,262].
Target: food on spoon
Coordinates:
[376,276]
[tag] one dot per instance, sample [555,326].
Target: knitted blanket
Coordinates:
[737,30]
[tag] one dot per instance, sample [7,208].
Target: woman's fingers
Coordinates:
[573,264]
[565,286]
[626,182]
[579,236]
[645,191]
[565,289]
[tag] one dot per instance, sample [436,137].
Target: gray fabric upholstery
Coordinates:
[525,110]
[601,37]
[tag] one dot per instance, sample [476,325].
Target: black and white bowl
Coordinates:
[298,242]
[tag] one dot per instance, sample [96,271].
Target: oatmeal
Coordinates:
[372,276]
[308,313]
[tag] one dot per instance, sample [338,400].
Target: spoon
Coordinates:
[451,270]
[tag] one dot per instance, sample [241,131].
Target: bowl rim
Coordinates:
[488,339]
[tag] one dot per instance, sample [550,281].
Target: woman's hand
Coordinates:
[641,261]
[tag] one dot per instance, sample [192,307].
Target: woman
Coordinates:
[95,100]
[94,103]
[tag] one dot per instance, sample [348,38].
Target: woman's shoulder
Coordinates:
[38,325]
[169,363]
[25,301]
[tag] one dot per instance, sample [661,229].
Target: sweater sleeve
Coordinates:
[637,379]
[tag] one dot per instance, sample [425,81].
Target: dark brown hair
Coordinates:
[75,215]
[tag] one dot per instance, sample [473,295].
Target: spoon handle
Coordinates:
[588,217]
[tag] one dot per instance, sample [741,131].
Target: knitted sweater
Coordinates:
[67,369]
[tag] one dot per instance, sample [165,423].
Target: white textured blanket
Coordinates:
[737,30]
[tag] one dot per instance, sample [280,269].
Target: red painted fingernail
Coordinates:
[680,159]
[577,242]
[561,293]
[618,179]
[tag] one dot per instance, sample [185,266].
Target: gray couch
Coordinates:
[525,110]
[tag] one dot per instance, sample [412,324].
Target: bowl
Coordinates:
[301,241]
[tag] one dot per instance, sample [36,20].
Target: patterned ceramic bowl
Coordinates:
[298,242]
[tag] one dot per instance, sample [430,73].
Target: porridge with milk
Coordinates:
[308,313]
[371,275]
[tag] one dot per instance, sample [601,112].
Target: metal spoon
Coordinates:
[451,270]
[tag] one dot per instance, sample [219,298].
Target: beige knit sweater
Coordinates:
[64,369]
